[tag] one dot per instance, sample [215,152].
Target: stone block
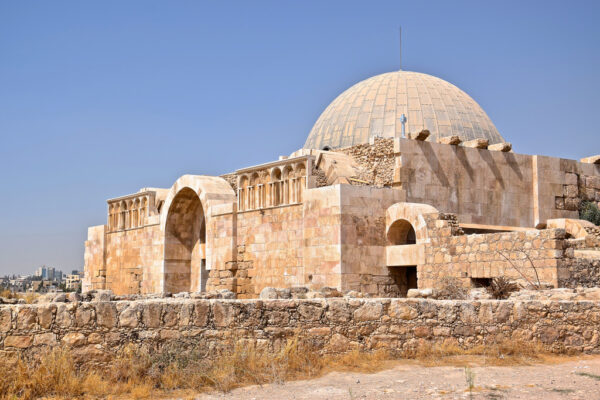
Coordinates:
[421,136]
[74,339]
[5,319]
[45,339]
[504,147]
[106,315]
[477,143]
[452,140]
[370,311]
[18,341]
[591,160]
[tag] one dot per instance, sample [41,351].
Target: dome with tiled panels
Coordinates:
[373,107]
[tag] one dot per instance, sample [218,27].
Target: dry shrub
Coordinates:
[500,288]
[8,294]
[452,289]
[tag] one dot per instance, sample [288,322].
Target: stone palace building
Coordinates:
[362,207]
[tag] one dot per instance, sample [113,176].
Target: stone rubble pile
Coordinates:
[107,295]
[301,292]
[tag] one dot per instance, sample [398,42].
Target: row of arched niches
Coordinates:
[128,213]
[271,187]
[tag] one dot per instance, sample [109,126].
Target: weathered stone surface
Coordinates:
[402,310]
[477,143]
[129,317]
[18,341]
[5,319]
[422,135]
[26,318]
[368,312]
[74,339]
[45,339]
[335,325]
[151,314]
[106,315]
[452,140]
[46,315]
[505,147]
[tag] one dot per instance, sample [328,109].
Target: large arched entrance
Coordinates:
[185,238]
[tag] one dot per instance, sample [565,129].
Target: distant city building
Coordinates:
[73,281]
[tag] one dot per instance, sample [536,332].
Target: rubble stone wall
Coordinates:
[375,161]
[579,272]
[524,256]
[95,331]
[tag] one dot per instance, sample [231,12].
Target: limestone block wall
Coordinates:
[95,266]
[134,259]
[563,185]
[493,187]
[480,186]
[268,245]
[96,331]
[363,239]
[485,255]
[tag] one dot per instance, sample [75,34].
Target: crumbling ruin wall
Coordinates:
[524,256]
[579,272]
[375,161]
[95,331]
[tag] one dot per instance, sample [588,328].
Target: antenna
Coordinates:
[400,47]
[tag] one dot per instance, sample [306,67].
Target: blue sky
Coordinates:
[99,99]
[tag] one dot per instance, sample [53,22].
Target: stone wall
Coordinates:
[375,161]
[268,250]
[96,330]
[126,261]
[579,272]
[448,253]
[493,187]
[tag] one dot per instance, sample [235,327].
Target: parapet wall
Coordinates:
[96,330]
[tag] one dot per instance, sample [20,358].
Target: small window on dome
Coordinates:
[326,148]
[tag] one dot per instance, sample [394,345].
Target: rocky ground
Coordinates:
[574,379]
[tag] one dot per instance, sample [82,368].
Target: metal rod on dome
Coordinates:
[400,47]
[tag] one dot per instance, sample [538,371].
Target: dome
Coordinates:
[373,107]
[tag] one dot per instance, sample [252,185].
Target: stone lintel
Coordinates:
[505,147]
[422,136]
[477,143]
[454,140]
[591,160]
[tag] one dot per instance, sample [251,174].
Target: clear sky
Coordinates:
[99,99]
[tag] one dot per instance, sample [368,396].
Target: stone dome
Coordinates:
[373,108]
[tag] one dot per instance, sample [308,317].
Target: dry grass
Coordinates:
[28,297]
[505,353]
[141,374]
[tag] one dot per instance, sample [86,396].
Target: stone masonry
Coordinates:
[95,331]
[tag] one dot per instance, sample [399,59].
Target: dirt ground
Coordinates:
[573,379]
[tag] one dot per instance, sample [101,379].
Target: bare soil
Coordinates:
[576,378]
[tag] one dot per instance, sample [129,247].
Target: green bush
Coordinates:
[590,212]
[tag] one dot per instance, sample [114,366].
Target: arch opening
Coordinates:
[401,232]
[185,238]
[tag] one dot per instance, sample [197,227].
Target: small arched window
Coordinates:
[401,232]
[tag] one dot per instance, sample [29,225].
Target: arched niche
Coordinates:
[185,238]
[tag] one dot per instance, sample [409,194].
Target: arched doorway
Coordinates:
[185,238]
[402,233]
